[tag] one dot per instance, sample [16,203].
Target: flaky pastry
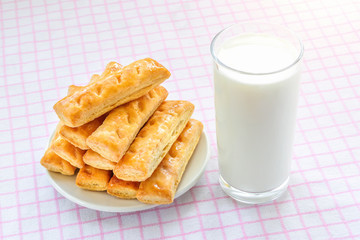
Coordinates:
[77,136]
[68,152]
[53,162]
[119,129]
[110,91]
[160,188]
[122,189]
[96,160]
[93,179]
[154,141]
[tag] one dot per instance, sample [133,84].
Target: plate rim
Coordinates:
[120,209]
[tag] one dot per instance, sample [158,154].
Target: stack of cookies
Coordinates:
[123,136]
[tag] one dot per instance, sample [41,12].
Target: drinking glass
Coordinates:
[256,79]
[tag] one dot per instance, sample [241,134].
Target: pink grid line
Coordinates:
[317,163]
[216,198]
[33,156]
[58,213]
[112,31]
[120,224]
[52,55]
[277,203]
[160,5]
[3,53]
[145,25]
[257,236]
[140,225]
[170,80]
[337,126]
[178,217]
[261,235]
[151,42]
[13,143]
[38,76]
[187,218]
[194,18]
[337,92]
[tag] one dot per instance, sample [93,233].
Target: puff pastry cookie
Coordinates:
[154,141]
[122,189]
[111,90]
[114,136]
[96,160]
[93,179]
[68,152]
[52,162]
[77,136]
[160,188]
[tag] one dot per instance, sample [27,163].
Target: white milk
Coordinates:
[255,114]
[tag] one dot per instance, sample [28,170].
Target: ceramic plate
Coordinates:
[102,201]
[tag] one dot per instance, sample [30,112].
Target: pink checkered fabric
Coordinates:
[47,45]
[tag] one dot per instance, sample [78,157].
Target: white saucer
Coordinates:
[102,201]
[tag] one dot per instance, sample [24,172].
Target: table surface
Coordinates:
[48,45]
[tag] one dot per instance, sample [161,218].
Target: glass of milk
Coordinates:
[256,74]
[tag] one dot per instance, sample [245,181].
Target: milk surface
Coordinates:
[255,111]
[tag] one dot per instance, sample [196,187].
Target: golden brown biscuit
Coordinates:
[122,189]
[77,136]
[114,136]
[154,141]
[96,160]
[93,179]
[54,163]
[103,95]
[68,152]
[160,188]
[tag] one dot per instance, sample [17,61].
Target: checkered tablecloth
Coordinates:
[48,45]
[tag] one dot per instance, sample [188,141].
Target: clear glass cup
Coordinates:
[256,77]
